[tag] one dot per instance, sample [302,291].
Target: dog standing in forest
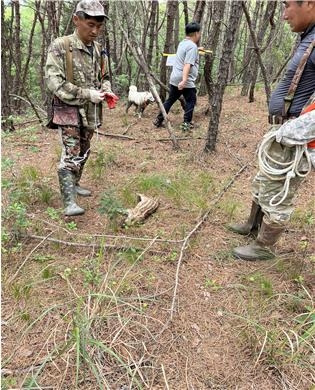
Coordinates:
[139,99]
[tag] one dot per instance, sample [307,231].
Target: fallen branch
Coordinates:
[114,135]
[128,127]
[25,123]
[197,226]
[111,236]
[179,139]
[86,245]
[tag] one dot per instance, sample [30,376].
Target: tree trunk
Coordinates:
[17,52]
[223,71]
[169,43]
[257,49]
[154,8]
[218,8]
[6,122]
[199,11]
[30,46]
[268,18]
[186,12]
[247,59]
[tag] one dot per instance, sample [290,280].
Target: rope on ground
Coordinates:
[197,226]
[286,170]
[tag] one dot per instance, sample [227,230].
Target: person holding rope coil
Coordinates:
[287,151]
[77,74]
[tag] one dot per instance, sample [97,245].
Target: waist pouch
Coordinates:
[64,114]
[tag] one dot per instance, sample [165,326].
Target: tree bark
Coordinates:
[169,42]
[17,52]
[223,71]
[218,8]
[6,122]
[248,56]
[186,12]
[257,50]
[153,20]
[267,19]
[199,11]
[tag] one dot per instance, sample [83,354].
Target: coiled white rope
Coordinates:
[286,171]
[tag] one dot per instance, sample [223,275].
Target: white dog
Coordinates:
[139,99]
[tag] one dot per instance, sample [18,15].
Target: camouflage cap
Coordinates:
[91,8]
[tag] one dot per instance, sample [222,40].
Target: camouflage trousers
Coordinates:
[75,148]
[263,188]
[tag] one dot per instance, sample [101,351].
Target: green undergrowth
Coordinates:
[186,189]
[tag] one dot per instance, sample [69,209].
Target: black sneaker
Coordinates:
[158,122]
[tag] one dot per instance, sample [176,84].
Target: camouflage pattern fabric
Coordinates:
[299,131]
[263,189]
[75,148]
[87,74]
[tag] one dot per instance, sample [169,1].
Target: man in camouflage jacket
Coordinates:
[78,95]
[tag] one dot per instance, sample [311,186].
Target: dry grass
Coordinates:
[86,317]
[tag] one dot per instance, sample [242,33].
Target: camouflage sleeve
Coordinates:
[106,86]
[56,78]
[298,131]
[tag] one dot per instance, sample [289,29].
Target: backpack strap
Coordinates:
[69,59]
[296,79]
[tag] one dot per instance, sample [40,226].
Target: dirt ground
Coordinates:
[87,303]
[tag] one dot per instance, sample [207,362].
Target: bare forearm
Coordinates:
[186,70]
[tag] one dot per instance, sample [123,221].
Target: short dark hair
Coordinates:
[82,15]
[192,27]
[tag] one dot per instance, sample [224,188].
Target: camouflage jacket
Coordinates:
[87,74]
[299,131]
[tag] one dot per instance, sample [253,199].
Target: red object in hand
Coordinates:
[111,100]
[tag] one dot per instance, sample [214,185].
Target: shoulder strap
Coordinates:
[69,61]
[296,78]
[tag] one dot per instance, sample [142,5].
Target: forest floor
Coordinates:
[92,316]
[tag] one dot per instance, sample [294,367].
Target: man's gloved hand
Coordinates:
[96,96]
[111,99]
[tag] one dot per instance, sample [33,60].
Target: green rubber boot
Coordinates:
[263,247]
[68,192]
[251,226]
[81,191]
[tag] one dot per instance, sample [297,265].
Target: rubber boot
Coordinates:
[68,192]
[80,190]
[263,247]
[251,226]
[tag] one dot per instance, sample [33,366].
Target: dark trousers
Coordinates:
[190,99]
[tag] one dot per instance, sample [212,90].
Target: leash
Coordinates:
[286,171]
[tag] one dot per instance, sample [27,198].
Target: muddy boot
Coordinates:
[251,226]
[263,247]
[68,192]
[78,189]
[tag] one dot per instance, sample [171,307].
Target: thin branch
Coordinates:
[121,136]
[193,231]
[86,245]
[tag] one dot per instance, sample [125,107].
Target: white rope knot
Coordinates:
[286,170]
